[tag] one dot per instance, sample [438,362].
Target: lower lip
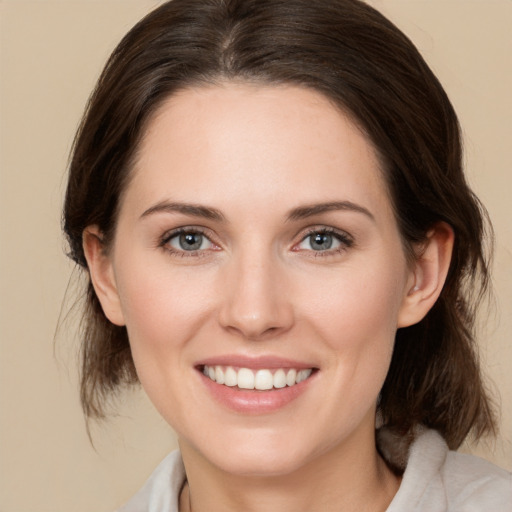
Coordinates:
[255,401]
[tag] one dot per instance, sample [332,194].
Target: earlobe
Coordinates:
[102,274]
[428,275]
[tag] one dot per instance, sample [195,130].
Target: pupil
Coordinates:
[190,241]
[321,241]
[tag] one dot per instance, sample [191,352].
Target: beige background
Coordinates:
[51,54]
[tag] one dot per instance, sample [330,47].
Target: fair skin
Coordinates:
[289,258]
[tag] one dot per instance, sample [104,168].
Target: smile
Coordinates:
[262,379]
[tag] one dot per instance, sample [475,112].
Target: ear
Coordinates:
[102,274]
[428,275]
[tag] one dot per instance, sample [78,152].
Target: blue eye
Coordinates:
[188,241]
[322,241]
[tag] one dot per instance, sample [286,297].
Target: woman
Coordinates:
[269,200]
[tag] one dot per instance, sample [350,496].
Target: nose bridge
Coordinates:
[256,302]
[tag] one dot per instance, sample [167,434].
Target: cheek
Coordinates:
[358,301]
[163,309]
[357,320]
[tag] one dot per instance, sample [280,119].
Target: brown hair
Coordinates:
[349,52]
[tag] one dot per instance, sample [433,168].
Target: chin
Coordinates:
[255,463]
[258,454]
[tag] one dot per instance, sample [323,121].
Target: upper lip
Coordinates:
[254,363]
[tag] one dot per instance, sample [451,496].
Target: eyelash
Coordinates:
[345,240]
[168,236]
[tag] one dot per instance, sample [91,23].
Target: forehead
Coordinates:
[264,143]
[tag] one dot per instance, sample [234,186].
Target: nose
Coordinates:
[255,303]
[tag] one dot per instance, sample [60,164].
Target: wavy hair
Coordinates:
[353,55]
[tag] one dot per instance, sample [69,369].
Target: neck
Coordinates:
[350,477]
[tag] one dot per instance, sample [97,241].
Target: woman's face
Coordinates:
[256,243]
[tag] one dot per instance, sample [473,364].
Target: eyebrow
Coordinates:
[195,210]
[303,212]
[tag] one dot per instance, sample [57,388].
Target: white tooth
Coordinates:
[245,378]
[263,380]
[279,379]
[290,377]
[219,375]
[302,375]
[230,378]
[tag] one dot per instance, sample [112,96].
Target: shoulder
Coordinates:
[472,483]
[439,480]
[161,490]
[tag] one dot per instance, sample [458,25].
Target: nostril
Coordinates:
[253,300]
[256,322]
